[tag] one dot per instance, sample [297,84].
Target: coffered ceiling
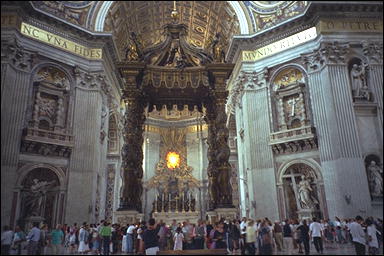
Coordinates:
[147,19]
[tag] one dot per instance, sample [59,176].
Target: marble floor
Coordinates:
[329,249]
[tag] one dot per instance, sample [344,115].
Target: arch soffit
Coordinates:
[24,170]
[101,15]
[310,162]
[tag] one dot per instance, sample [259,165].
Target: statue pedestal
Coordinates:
[124,217]
[168,217]
[307,213]
[33,219]
[218,213]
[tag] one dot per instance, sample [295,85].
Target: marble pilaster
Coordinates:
[85,158]
[15,84]
[259,154]
[374,53]
[340,154]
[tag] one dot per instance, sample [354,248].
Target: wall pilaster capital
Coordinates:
[92,80]
[17,56]
[246,81]
[327,53]
[255,80]
[373,51]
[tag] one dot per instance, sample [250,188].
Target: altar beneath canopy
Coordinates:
[176,189]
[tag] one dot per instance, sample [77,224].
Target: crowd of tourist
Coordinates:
[244,236]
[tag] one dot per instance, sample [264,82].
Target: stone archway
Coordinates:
[301,190]
[40,195]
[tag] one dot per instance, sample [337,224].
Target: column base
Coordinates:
[218,213]
[124,217]
[33,219]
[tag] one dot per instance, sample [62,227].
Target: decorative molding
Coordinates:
[373,51]
[327,53]
[93,81]
[46,143]
[20,58]
[294,140]
[246,81]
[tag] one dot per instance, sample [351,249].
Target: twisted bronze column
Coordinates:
[132,152]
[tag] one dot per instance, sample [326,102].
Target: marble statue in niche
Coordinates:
[34,198]
[375,178]
[305,190]
[301,191]
[358,75]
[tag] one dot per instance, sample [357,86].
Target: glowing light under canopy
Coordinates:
[173,160]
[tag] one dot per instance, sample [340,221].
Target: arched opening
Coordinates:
[358,77]
[39,193]
[374,169]
[301,191]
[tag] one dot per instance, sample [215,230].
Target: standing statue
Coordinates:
[217,48]
[375,176]
[132,50]
[358,80]
[305,198]
[34,199]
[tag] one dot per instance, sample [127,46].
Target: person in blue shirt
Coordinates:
[33,239]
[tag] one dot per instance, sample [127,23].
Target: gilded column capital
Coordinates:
[373,51]
[327,53]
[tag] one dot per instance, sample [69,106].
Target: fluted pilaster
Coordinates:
[259,154]
[376,72]
[14,100]
[340,154]
[85,158]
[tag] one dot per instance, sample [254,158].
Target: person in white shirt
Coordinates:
[372,237]
[130,234]
[358,235]
[316,232]
[6,240]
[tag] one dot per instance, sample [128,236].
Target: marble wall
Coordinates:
[344,130]
[92,86]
